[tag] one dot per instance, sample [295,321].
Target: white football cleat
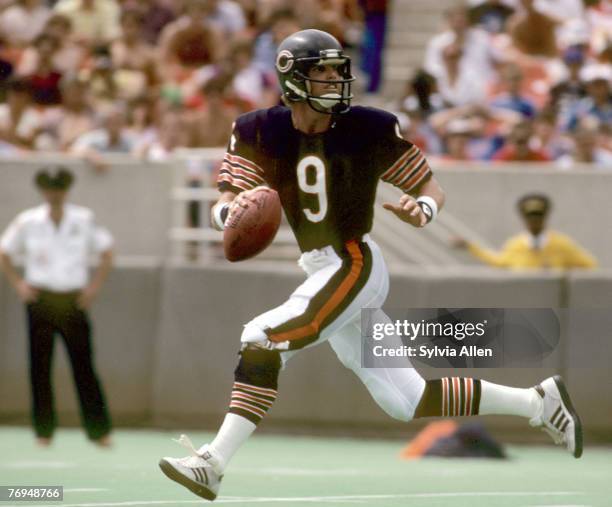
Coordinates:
[196,472]
[558,417]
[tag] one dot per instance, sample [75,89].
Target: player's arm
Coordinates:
[421,205]
[240,173]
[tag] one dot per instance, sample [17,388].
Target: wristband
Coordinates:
[429,206]
[219,215]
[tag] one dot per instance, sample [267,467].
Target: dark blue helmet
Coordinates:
[297,54]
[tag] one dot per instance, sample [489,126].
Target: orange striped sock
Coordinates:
[450,397]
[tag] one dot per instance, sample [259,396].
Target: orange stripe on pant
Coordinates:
[333,302]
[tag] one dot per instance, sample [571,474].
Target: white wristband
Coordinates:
[431,203]
[217,215]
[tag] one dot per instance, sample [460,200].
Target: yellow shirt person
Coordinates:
[556,251]
[537,247]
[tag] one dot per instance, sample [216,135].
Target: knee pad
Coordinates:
[258,367]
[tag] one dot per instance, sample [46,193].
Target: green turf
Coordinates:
[294,471]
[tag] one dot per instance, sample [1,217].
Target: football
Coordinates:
[250,229]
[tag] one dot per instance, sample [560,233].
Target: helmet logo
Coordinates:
[284,61]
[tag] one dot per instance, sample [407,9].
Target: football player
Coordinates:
[325,158]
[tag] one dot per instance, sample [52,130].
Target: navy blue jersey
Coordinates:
[326,182]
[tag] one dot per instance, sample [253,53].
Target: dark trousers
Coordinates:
[53,314]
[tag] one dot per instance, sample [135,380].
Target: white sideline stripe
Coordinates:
[318,499]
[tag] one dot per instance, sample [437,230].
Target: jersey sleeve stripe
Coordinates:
[409,173]
[388,174]
[247,164]
[237,172]
[227,178]
[417,178]
[414,161]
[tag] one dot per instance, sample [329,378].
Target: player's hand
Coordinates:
[244,198]
[408,210]
[26,292]
[86,297]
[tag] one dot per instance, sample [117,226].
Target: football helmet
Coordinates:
[297,54]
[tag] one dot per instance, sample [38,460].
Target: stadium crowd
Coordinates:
[517,80]
[507,80]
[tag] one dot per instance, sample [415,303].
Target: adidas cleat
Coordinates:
[558,416]
[196,472]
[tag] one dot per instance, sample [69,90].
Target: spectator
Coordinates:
[95,22]
[511,96]
[112,137]
[227,16]
[546,136]
[44,77]
[142,118]
[104,88]
[487,127]
[22,22]
[19,119]
[536,248]
[533,32]
[155,15]
[327,15]
[375,14]
[171,135]
[458,135]
[518,148]
[457,86]
[598,102]
[587,149]
[565,94]
[250,85]
[189,42]
[73,119]
[280,25]
[133,60]
[69,56]
[461,59]
[211,126]
[56,240]
[421,94]
[491,15]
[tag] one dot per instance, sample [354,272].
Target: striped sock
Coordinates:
[251,402]
[450,397]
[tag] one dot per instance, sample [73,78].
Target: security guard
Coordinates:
[537,247]
[55,240]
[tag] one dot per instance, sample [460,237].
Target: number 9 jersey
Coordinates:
[326,181]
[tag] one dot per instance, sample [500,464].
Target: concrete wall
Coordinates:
[133,200]
[167,340]
[485,199]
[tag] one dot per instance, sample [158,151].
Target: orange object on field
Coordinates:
[427,437]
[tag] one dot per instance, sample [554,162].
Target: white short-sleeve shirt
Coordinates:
[55,257]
